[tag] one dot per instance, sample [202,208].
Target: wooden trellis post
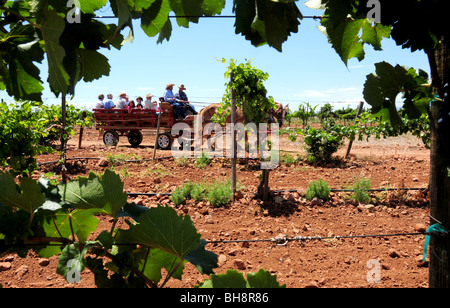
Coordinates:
[361,104]
[233,138]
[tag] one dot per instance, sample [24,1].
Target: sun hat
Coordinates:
[169,84]
[182,87]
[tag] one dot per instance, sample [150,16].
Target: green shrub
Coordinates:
[361,186]
[177,196]
[321,143]
[198,192]
[318,189]
[288,159]
[219,194]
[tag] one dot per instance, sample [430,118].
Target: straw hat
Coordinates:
[122,93]
[149,95]
[182,87]
[169,84]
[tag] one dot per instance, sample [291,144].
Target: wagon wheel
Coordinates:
[111,138]
[135,137]
[164,141]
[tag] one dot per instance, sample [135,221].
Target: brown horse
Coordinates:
[207,113]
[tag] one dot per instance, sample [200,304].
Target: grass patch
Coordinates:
[117,159]
[360,194]
[217,193]
[318,189]
[203,161]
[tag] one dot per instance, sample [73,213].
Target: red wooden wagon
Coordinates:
[119,122]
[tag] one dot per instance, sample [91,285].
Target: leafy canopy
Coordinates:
[250,92]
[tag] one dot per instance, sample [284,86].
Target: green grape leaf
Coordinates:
[19,75]
[158,259]
[83,193]
[266,22]
[162,228]
[121,10]
[61,223]
[263,279]
[203,259]
[105,193]
[94,65]
[114,194]
[349,36]
[230,279]
[382,88]
[28,198]
[235,279]
[186,8]
[212,7]
[71,262]
[348,29]
[90,6]
[52,26]
[155,17]
[165,32]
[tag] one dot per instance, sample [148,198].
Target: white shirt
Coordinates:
[99,104]
[148,104]
[121,103]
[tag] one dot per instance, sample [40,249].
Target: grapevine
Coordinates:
[28,129]
[322,143]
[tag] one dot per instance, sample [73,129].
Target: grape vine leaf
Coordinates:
[266,22]
[62,222]
[52,26]
[114,194]
[90,6]
[105,193]
[235,279]
[263,279]
[162,228]
[347,27]
[158,259]
[71,262]
[27,196]
[203,259]
[19,76]
[382,88]
[155,17]
[230,279]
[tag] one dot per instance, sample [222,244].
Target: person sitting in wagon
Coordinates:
[122,102]
[100,102]
[148,104]
[131,106]
[139,102]
[182,98]
[109,103]
[170,98]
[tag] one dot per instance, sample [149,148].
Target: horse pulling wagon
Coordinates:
[119,122]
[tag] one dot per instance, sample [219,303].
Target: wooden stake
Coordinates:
[83,116]
[157,132]
[233,138]
[361,104]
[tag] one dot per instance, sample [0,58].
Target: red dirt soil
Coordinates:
[394,163]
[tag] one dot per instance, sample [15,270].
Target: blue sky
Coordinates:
[307,70]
